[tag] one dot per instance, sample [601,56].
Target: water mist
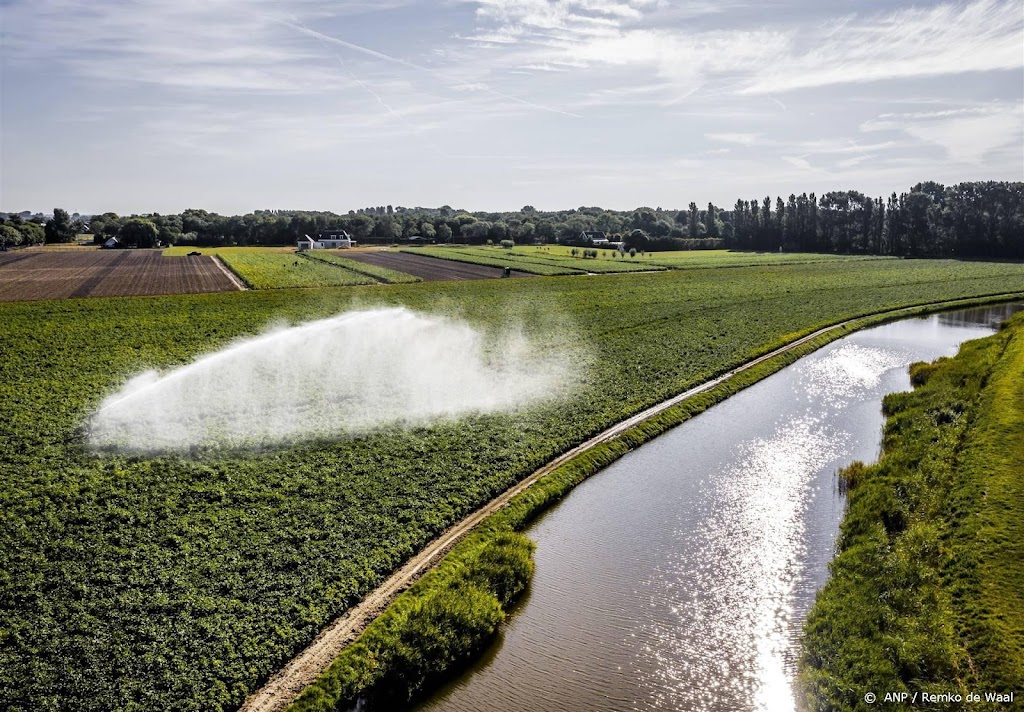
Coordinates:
[347,374]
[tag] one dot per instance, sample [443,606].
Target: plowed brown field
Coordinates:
[429,269]
[34,275]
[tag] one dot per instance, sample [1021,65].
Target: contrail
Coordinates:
[395,60]
[417,130]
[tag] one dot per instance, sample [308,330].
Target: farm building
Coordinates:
[594,237]
[112,243]
[330,240]
[333,239]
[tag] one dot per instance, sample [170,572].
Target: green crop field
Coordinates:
[699,259]
[174,582]
[558,259]
[382,274]
[689,259]
[279,267]
[276,270]
[563,257]
[535,260]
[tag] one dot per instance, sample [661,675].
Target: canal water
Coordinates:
[679,577]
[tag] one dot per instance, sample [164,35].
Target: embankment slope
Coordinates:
[926,594]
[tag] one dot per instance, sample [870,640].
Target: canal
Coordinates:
[679,577]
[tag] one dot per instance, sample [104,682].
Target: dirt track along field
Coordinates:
[62,275]
[429,269]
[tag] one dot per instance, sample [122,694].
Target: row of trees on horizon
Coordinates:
[977,219]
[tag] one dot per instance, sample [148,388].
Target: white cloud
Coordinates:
[968,135]
[797,162]
[743,139]
[946,39]
[236,45]
[982,35]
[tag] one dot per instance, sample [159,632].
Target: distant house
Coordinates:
[335,239]
[112,244]
[307,243]
[594,237]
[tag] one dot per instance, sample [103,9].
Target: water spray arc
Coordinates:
[352,373]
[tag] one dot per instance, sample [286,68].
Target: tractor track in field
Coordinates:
[285,685]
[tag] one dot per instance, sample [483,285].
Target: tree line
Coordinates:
[984,219]
[977,219]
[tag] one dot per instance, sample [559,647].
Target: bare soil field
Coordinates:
[92,273]
[429,269]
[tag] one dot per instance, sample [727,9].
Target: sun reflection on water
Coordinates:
[747,558]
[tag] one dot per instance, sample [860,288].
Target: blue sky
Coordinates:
[236,105]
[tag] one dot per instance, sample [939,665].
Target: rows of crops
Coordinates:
[560,259]
[175,582]
[491,258]
[382,274]
[692,259]
[277,270]
[605,261]
[537,260]
[82,272]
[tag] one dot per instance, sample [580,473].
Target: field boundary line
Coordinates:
[235,278]
[285,685]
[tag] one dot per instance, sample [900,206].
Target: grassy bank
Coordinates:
[375,667]
[177,582]
[927,591]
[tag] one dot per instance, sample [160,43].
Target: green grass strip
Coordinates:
[437,625]
[281,270]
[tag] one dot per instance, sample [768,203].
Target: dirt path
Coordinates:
[289,682]
[242,287]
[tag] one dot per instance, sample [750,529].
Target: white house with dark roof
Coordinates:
[329,240]
[594,237]
[335,239]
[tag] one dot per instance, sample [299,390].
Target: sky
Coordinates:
[141,106]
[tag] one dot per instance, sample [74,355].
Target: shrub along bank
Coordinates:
[927,592]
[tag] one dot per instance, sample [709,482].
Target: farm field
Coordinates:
[431,269]
[697,259]
[81,272]
[281,270]
[489,258]
[534,260]
[183,582]
[558,259]
[382,274]
[561,256]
